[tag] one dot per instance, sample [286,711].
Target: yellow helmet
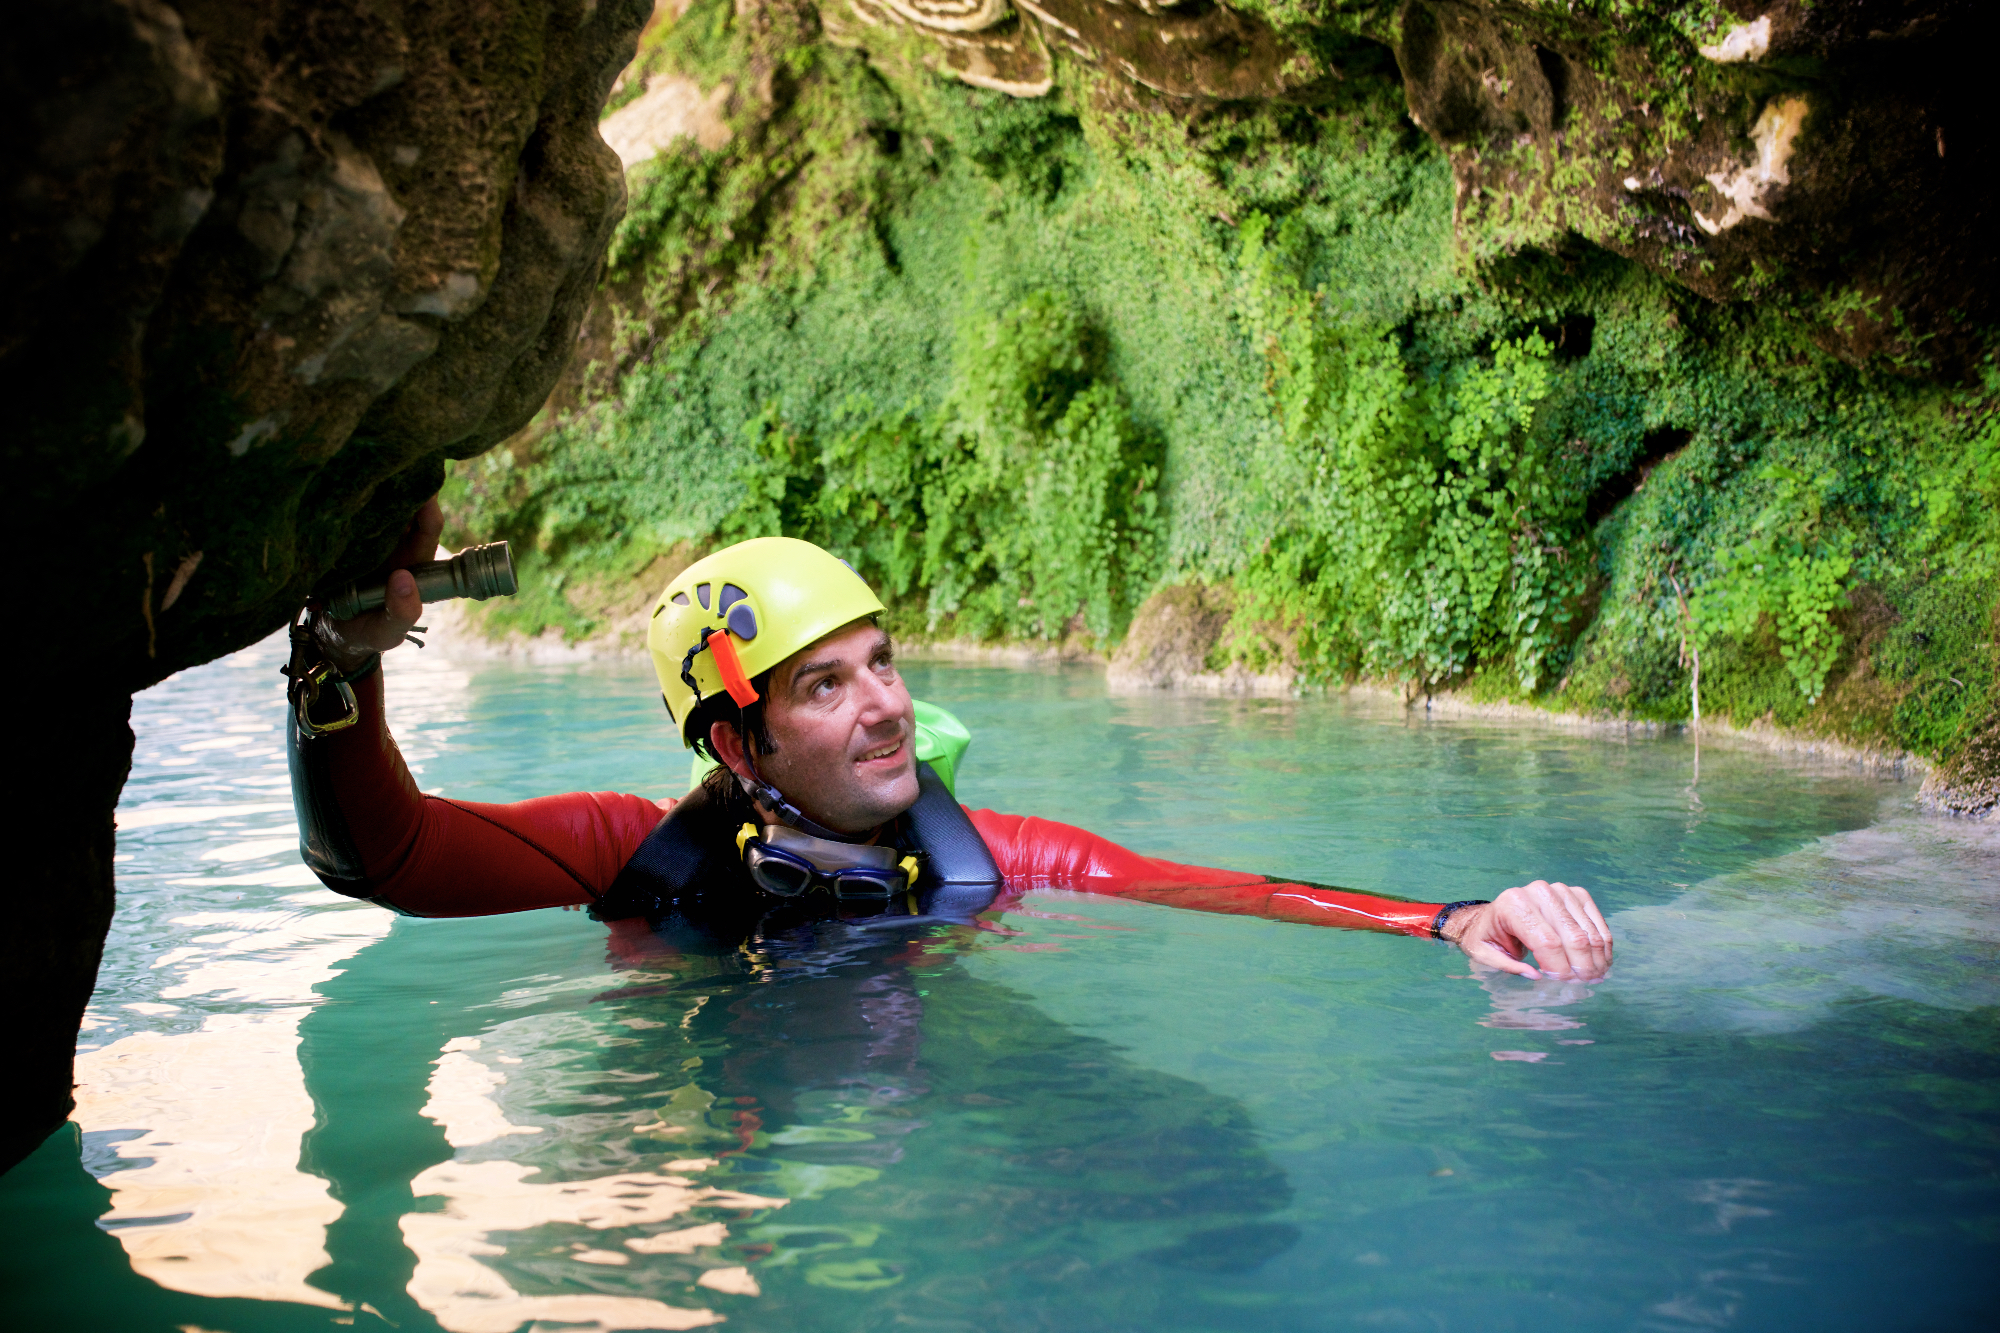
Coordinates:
[740,612]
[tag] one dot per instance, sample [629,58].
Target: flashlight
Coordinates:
[478,572]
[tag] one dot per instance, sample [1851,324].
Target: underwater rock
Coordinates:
[268,265]
[1969,785]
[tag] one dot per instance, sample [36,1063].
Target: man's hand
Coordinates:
[1558,922]
[349,642]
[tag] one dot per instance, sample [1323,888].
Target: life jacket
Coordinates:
[691,859]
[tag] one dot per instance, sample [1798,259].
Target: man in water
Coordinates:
[771,663]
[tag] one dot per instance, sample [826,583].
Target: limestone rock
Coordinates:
[268,264]
[1827,155]
[1183,49]
[1171,644]
[1823,155]
[978,42]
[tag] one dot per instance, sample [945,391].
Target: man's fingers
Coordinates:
[403,606]
[1588,937]
[1578,939]
[1545,940]
[1479,951]
[1560,925]
[1596,918]
[420,539]
[1527,913]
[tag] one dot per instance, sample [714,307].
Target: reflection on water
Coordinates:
[1532,1008]
[615,1149]
[190,1098]
[202,1138]
[482,1199]
[297,1111]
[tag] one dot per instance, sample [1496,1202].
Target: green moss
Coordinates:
[1944,654]
[1022,361]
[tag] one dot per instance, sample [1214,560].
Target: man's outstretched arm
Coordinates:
[1558,923]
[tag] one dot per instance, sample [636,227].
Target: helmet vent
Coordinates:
[701,594]
[731,595]
[680,599]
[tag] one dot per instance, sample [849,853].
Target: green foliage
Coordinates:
[1429,529]
[1028,500]
[1945,653]
[1957,494]
[1793,569]
[1021,361]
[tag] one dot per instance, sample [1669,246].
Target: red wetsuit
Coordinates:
[433,856]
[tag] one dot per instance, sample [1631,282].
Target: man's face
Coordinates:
[845,731]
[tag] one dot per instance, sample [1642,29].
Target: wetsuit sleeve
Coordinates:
[368,832]
[1036,853]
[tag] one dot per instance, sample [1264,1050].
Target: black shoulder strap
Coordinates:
[679,858]
[959,877]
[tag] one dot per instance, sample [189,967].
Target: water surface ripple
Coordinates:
[299,1112]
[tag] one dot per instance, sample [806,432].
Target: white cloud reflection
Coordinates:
[200,1104]
[214,1204]
[486,1199]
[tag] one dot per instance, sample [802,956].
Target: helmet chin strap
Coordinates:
[743,694]
[771,798]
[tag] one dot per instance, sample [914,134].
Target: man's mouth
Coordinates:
[888,751]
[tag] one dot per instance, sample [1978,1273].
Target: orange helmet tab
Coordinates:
[731,668]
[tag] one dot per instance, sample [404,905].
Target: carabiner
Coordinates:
[307,681]
[303,699]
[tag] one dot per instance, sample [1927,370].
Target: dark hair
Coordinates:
[721,708]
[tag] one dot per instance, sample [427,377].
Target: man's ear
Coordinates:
[727,743]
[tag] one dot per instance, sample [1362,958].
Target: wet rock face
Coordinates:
[268,264]
[1824,155]
[1821,154]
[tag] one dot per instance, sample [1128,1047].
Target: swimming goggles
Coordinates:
[786,862]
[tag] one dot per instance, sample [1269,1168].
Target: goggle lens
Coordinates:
[873,885]
[779,872]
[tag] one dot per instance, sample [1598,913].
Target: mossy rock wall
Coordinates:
[1544,351]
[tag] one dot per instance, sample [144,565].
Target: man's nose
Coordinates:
[881,700]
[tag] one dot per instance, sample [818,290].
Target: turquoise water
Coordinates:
[1780,1111]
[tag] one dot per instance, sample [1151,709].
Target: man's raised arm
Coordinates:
[367,831]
